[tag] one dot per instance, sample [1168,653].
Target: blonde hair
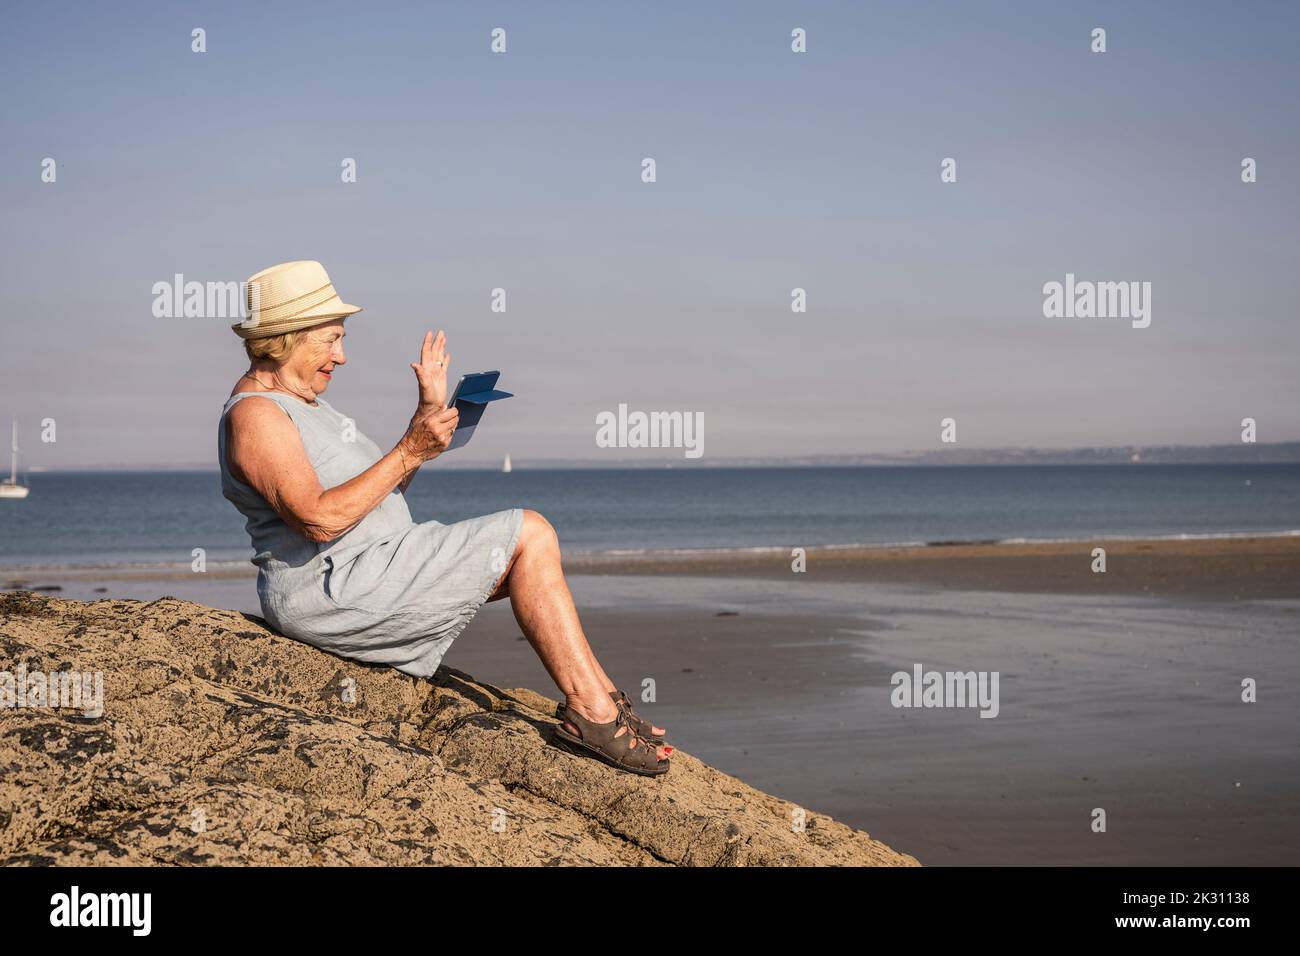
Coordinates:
[276,348]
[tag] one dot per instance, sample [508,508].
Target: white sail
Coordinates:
[505,468]
[11,488]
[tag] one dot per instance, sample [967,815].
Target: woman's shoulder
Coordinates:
[244,387]
[240,409]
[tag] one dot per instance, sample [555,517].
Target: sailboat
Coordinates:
[505,468]
[11,488]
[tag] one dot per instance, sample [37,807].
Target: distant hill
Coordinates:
[1120,455]
[1277,452]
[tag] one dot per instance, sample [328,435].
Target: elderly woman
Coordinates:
[342,565]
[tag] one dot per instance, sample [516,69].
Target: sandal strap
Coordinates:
[640,724]
[642,753]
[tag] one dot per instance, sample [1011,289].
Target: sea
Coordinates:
[151,518]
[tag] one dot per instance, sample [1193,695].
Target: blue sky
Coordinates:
[775,171]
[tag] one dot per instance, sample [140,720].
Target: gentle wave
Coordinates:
[17,570]
[890,545]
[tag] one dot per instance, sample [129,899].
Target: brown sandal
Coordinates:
[642,727]
[628,751]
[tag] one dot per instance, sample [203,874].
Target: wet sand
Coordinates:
[1129,704]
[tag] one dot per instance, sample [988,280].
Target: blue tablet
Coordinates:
[473,392]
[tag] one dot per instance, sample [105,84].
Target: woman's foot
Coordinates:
[604,711]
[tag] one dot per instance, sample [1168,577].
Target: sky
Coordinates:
[775,170]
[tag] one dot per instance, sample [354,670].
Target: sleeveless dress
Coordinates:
[389,591]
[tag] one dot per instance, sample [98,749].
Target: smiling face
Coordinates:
[320,349]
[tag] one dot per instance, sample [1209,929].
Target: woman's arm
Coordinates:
[410,474]
[406,482]
[267,453]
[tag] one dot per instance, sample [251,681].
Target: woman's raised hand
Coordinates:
[431,372]
[430,432]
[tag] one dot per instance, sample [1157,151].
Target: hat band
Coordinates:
[290,310]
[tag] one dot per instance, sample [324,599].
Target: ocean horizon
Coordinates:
[158,517]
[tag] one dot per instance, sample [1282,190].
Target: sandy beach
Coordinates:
[1228,568]
[1119,691]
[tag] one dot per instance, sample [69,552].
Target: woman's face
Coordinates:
[316,355]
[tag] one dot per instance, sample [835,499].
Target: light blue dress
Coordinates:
[390,591]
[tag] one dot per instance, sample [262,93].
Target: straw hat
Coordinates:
[288,297]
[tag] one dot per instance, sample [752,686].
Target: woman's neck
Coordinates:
[272,379]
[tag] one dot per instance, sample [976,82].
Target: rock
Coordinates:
[224,743]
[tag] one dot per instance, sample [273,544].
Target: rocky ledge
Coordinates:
[220,742]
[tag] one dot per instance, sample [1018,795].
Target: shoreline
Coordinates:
[1258,566]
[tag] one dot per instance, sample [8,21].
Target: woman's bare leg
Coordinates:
[538,533]
[543,606]
[503,591]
